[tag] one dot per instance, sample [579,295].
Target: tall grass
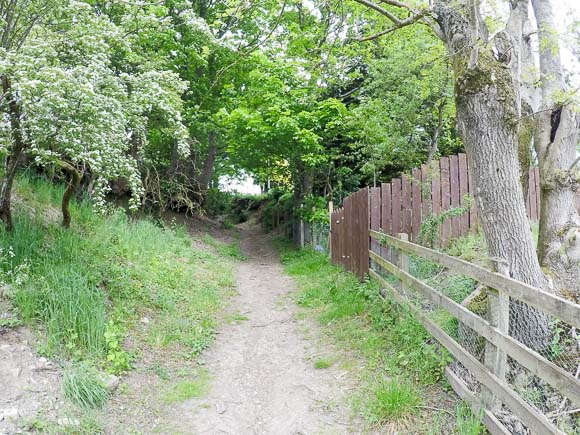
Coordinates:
[85,286]
[83,387]
[391,400]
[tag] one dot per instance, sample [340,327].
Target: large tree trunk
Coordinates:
[556,139]
[485,118]
[13,158]
[487,113]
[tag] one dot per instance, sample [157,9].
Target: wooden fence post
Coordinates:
[403,260]
[330,212]
[498,311]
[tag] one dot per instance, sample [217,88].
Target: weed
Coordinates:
[83,387]
[160,371]
[188,389]
[322,364]
[10,322]
[237,318]
[118,360]
[390,400]
[467,422]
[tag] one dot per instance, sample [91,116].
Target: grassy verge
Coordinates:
[398,365]
[87,289]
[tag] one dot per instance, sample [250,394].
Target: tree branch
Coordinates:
[398,4]
[398,23]
[379,9]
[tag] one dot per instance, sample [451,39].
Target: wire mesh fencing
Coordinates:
[316,235]
[540,351]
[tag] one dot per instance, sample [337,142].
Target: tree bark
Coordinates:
[556,138]
[486,109]
[487,117]
[74,179]
[514,48]
[208,163]
[436,133]
[12,160]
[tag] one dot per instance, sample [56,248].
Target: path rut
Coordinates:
[262,375]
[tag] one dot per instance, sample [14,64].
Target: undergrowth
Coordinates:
[86,287]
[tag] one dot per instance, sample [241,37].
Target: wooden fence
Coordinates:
[406,202]
[349,236]
[374,226]
[490,372]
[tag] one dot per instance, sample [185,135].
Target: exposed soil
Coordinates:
[30,384]
[263,380]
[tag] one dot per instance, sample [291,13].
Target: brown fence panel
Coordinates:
[355,232]
[347,233]
[455,199]
[406,206]
[436,190]
[463,190]
[386,216]
[403,205]
[333,233]
[417,204]
[445,199]
[363,232]
[396,205]
[425,192]
[336,236]
[375,206]
[342,235]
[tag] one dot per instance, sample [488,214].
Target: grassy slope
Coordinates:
[85,289]
[398,365]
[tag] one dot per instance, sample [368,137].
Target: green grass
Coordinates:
[86,287]
[322,363]
[236,318]
[82,386]
[382,332]
[468,423]
[231,250]
[391,400]
[187,388]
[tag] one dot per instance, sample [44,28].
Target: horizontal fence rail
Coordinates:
[499,345]
[555,305]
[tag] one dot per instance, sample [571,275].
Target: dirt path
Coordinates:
[262,376]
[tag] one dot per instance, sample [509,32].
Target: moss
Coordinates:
[478,304]
[488,72]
